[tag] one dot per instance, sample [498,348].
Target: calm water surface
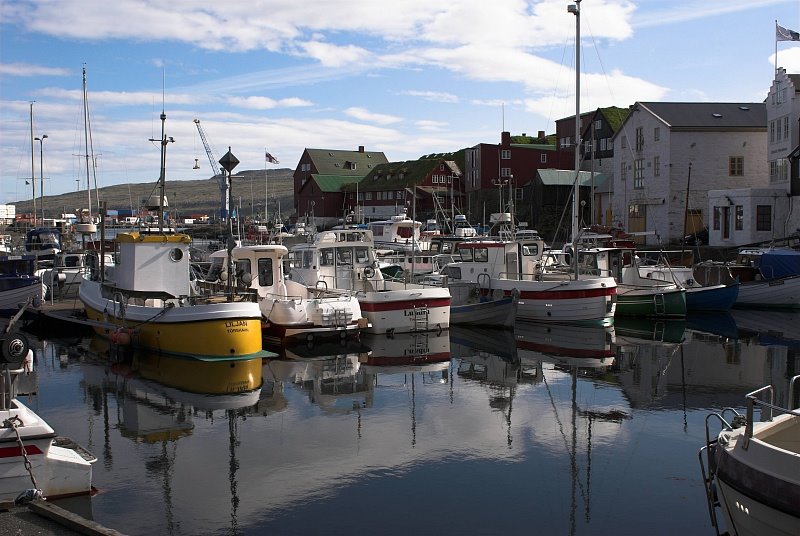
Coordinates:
[546,430]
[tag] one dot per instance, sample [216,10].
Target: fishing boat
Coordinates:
[546,293]
[43,242]
[148,299]
[344,260]
[289,309]
[35,462]
[19,283]
[718,297]
[398,233]
[768,277]
[63,278]
[751,470]
[636,295]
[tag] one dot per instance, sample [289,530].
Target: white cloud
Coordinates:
[266,103]
[433,96]
[365,115]
[128,98]
[26,69]
[788,58]
[430,126]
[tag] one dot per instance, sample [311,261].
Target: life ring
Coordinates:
[369,271]
[14,348]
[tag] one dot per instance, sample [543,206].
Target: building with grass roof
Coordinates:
[320,175]
[390,188]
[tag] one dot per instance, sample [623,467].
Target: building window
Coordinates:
[736,166]
[772,131]
[505,154]
[786,127]
[763,217]
[639,138]
[543,158]
[518,194]
[717,218]
[449,179]
[505,172]
[435,179]
[603,144]
[623,171]
[624,142]
[390,194]
[638,173]
[656,133]
[656,166]
[367,196]
[598,124]
[399,194]
[739,223]
[441,167]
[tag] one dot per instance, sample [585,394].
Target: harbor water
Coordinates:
[544,430]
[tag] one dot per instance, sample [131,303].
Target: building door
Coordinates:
[637,221]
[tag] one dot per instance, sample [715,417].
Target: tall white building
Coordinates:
[668,152]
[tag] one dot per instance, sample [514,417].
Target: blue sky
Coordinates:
[407,78]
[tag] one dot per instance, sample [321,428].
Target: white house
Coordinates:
[750,215]
[668,152]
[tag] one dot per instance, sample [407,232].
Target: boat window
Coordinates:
[466,254]
[265,272]
[362,255]
[344,256]
[308,259]
[453,272]
[326,257]
[404,232]
[481,255]
[530,250]
[71,261]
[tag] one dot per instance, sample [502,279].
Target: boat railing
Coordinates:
[754,400]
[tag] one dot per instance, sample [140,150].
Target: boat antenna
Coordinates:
[162,177]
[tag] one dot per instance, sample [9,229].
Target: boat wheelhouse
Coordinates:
[344,260]
[289,309]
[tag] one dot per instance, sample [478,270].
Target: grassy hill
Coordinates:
[187,197]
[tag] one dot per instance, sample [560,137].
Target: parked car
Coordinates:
[699,238]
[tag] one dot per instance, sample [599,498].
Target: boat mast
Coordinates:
[86,144]
[575,9]
[33,170]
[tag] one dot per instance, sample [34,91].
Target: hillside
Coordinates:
[185,197]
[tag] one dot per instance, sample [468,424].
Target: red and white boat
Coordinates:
[344,260]
[545,294]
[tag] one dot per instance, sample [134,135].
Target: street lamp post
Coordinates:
[41,174]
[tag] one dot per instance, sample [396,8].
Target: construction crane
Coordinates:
[219,173]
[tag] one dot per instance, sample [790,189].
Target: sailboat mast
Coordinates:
[86,144]
[576,10]
[33,171]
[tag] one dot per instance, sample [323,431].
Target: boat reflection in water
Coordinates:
[329,372]
[570,418]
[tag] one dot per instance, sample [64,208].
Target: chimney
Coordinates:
[505,139]
[541,134]
[360,148]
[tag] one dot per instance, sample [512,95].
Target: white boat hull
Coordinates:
[759,487]
[779,293]
[11,299]
[590,301]
[406,309]
[59,471]
[319,317]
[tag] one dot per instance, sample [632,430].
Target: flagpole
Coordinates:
[776,48]
[266,188]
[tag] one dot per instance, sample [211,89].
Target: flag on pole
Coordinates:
[784,34]
[271,159]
